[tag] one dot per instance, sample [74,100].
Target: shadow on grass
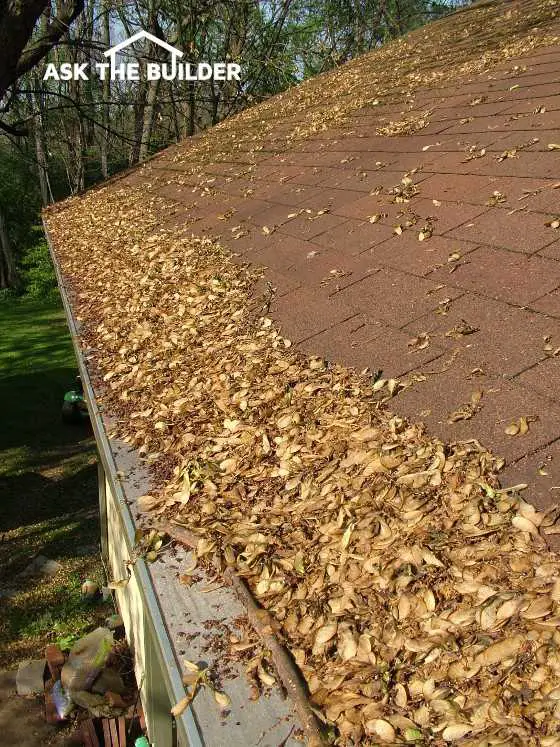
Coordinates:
[48,475]
[48,483]
[31,413]
[47,468]
[38,499]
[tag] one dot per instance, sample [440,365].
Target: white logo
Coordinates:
[174,70]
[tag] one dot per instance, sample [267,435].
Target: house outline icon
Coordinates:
[113,51]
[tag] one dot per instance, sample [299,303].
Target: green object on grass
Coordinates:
[73,396]
[74,408]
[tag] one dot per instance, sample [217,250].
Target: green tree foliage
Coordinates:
[19,205]
[19,194]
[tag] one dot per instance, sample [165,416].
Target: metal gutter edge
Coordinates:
[186,724]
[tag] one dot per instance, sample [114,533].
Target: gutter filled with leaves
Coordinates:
[416,597]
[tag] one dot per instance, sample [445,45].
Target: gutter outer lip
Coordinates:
[186,723]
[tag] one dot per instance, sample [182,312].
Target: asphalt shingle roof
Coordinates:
[330,186]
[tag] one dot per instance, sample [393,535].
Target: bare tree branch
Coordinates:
[18,51]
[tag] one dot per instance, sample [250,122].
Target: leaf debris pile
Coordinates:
[415,596]
[408,126]
[196,678]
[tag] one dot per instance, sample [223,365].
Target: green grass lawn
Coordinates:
[48,488]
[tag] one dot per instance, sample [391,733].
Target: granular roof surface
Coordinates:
[406,208]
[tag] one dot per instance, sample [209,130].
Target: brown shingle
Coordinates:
[353,290]
[508,276]
[521,232]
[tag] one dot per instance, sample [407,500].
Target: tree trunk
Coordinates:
[105,94]
[42,164]
[79,173]
[86,32]
[35,104]
[8,273]
[139,106]
[175,113]
[19,53]
[41,151]
[76,146]
[192,110]
[148,123]
[77,143]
